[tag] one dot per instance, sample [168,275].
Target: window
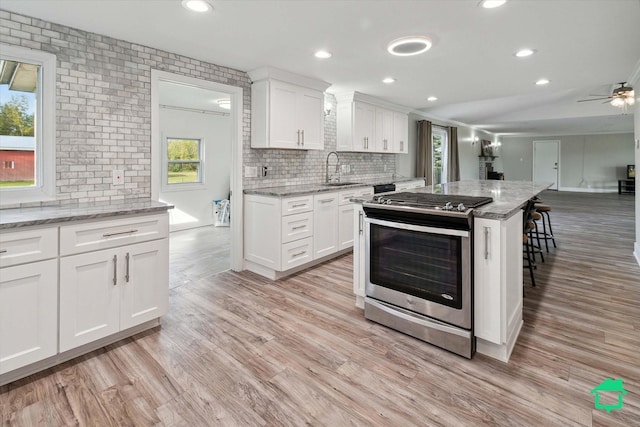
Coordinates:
[184,164]
[27,125]
[439,155]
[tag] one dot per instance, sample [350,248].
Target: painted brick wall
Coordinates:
[103,108]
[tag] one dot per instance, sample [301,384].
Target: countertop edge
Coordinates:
[47,214]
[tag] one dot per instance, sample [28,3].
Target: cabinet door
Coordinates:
[364,127]
[28,314]
[358,254]
[384,130]
[400,133]
[345,226]
[89,297]
[310,117]
[284,131]
[488,306]
[325,224]
[144,282]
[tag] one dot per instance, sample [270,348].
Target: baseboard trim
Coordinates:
[588,190]
[272,274]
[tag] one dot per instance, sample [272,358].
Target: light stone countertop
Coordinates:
[301,190]
[24,217]
[508,196]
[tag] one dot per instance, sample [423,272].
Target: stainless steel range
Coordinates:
[419,266]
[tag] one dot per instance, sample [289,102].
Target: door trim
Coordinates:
[533,160]
[236,93]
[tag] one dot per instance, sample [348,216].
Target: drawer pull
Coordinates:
[326,200]
[298,254]
[126,274]
[115,270]
[300,205]
[119,233]
[298,227]
[3,251]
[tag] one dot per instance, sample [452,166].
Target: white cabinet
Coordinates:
[497,284]
[400,133]
[365,126]
[384,131]
[107,291]
[359,247]
[287,111]
[28,296]
[28,314]
[325,224]
[345,226]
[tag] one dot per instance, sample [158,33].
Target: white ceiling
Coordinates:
[583,47]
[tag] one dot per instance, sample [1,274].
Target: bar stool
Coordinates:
[544,209]
[529,262]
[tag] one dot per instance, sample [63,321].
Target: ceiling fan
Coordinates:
[621,97]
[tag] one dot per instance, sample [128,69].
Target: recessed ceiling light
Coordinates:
[322,54]
[542,82]
[490,4]
[432,98]
[388,80]
[197,5]
[407,46]
[522,53]
[224,103]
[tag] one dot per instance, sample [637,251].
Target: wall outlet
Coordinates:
[250,171]
[263,171]
[118,177]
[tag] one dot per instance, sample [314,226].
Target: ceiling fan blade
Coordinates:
[594,99]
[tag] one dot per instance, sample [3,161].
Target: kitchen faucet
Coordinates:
[327,180]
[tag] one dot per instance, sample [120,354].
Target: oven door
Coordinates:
[423,269]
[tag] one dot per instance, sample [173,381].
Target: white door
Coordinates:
[364,118]
[145,283]
[345,226]
[384,130]
[89,297]
[284,131]
[325,224]
[309,109]
[546,162]
[400,133]
[28,314]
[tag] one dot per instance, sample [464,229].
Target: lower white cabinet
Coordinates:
[107,291]
[408,185]
[28,314]
[359,259]
[325,224]
[345,226]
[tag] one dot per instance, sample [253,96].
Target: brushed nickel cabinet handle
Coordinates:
[298,227]
[486,242]
[3,251]
[360,219]
[303,137]
[119,233]
[300,205]
[115,270]
[298,142]
[298,254]
[126,274]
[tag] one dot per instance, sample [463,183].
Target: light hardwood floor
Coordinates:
[238,349]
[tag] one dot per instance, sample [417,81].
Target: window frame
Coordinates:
[45,128]
[444,138]
[181,186]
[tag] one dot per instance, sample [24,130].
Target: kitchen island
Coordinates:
[497,259]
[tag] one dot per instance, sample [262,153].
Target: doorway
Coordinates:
[193,166]
[546,162]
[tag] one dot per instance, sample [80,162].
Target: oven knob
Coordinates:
[461,207]
[388,201]
[380,199]
[448,206]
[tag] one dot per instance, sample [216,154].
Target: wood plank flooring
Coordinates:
[238,349]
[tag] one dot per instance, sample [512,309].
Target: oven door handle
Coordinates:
[419,228]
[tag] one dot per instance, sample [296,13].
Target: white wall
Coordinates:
[468,152]
[193,207]
[587,162]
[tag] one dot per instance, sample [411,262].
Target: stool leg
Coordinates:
[553,240]
[544,230]
[538,239]
[530,265]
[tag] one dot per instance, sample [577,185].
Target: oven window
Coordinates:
[424,265]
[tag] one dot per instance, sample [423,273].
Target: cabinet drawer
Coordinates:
[19,247]
[297,226]
[361,192]
[297,253]
[112,233]
[294,205]
[347,195]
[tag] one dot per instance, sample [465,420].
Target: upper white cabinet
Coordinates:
[401,133]
[367,124]
[287,110]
